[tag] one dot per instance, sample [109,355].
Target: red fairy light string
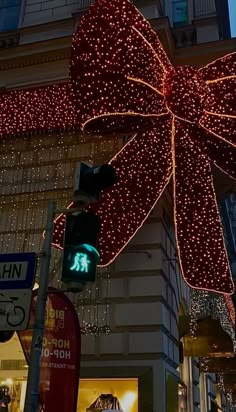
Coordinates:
[183,121]
[123,82]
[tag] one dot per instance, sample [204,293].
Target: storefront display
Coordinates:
[106,401]
[96,395]
[12,395]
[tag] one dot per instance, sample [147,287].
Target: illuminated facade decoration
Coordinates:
[130,314]
[182,121]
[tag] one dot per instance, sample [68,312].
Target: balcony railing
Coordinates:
[204,8]
[84,4]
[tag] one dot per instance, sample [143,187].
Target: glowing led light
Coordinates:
[220,79]
[188,96]
[81,263]
[221,114]
[146,84]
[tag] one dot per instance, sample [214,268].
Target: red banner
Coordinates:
[60,361]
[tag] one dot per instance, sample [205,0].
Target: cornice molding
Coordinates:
[57,49]
[35,53]
[37,44]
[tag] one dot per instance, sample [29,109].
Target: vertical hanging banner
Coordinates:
[60,361]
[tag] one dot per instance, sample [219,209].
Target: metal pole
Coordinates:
[32,391]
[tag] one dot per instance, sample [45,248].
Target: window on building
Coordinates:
[9,14]
[179,12]
[176,394]
[228,215]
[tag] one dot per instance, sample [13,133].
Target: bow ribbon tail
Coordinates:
[201,248]
[220,152]
[219,115]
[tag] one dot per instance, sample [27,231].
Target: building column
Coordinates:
[159,387]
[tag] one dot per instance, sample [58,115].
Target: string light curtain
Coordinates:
[217,306]
[34,169]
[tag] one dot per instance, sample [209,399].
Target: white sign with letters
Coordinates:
[13,271]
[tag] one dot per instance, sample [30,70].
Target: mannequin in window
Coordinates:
[106,401]
[4,398]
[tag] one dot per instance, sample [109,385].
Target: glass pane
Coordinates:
[9,14]
[9,3]
[179,11]
[172,393]
[228,215]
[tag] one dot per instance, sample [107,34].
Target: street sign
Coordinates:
[17,270]
[15,308]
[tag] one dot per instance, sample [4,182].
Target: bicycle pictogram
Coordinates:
[14,314]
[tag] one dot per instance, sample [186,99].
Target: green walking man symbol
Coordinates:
[81,263]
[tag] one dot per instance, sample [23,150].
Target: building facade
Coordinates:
[141,296]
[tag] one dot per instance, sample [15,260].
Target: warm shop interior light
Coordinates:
[128,399]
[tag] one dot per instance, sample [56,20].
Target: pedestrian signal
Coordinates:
[80,253]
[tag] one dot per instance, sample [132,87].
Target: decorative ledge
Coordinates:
[9,40]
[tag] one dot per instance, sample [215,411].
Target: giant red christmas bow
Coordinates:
[183,121]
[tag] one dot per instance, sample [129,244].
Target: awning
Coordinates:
[209,339]
[219,365]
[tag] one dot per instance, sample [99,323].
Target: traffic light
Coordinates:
[89,181]
[80,254]
[81,230]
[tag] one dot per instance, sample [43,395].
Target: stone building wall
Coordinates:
[42,11]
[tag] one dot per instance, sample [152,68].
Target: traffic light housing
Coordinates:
[80,253]
[89,181]
[81,230]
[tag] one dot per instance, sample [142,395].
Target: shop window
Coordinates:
[182,398]
[9,14]
[176,394]
[179,12]
[12,395]
[172,383]
[114,393]
[228,215]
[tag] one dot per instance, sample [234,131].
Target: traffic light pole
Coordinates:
[32,391]
[89,183]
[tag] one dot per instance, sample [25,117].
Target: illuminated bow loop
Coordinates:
[219,116]
[123,82]
[117,70]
